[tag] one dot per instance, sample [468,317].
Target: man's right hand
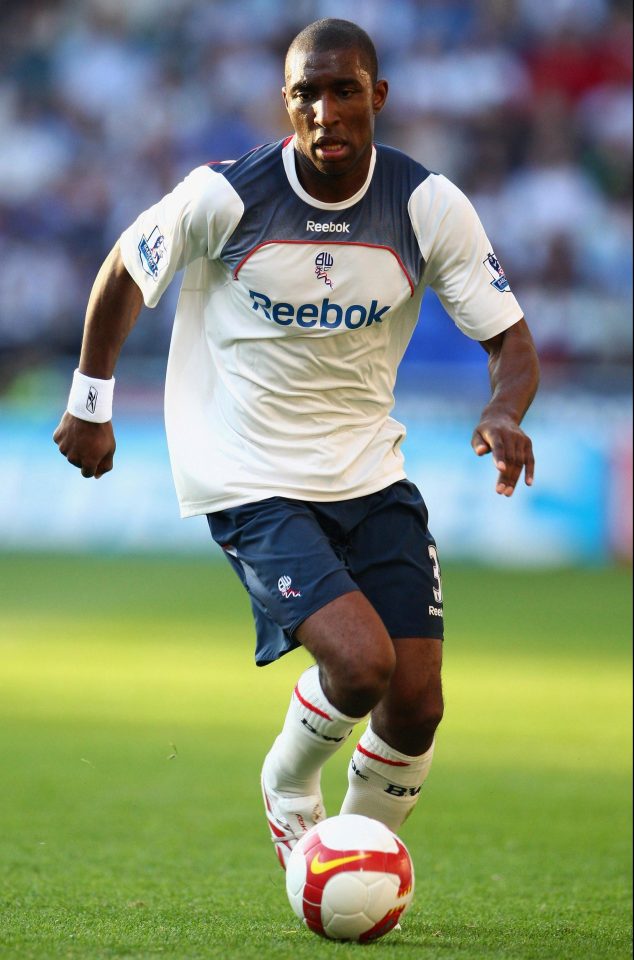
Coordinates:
[88,446]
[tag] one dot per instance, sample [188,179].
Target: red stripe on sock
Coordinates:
[310,706]
[375,756]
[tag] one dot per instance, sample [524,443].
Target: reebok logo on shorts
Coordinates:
[434,611]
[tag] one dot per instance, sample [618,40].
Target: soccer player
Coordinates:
[305,264]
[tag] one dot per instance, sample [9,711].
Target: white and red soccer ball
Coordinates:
[350,878]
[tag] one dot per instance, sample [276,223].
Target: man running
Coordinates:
[305,265]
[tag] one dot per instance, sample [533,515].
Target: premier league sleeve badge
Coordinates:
[152,250]
[496,270]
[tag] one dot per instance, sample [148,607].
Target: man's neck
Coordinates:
[332,188]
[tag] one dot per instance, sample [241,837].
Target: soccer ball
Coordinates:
[350,878]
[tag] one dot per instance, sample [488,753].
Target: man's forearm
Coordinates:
[513,373]
[113,307]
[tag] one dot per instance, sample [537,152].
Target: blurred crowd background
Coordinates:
[106,104]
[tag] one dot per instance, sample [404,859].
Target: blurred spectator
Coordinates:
[105,105]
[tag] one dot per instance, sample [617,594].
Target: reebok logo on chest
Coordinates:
[324,314]
[317,227]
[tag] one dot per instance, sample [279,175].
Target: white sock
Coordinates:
[383,783]
[313,731]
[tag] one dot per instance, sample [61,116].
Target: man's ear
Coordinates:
[379,95]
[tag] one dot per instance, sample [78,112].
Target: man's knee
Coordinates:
[359,682]
[354,651]
[408,727]
[409,714]
[420,718]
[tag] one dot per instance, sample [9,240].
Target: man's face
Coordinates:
[332,102]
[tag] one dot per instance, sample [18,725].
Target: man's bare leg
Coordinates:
[394,755]
[354,662]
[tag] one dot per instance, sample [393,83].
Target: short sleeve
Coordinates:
[460,264]
[192,221]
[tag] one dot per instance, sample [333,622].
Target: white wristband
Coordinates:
[91,398]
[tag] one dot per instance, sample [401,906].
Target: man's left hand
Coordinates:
[511,448]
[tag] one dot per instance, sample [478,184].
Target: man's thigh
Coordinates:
[288,565]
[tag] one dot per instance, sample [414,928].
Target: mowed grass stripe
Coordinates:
[537,611]
[512,701]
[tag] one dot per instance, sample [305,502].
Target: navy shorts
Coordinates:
[295,556]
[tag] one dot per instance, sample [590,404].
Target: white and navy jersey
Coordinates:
[294,315]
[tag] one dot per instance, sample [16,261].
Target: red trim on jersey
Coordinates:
[287,141]
[375,756]
[328,243]
[310,706]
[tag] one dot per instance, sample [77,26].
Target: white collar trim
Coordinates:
[288,156]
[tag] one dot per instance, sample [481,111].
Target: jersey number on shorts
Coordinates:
[436,569]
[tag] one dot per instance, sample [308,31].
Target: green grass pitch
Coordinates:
[132,727]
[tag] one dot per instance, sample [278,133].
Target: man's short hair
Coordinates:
[333,34]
